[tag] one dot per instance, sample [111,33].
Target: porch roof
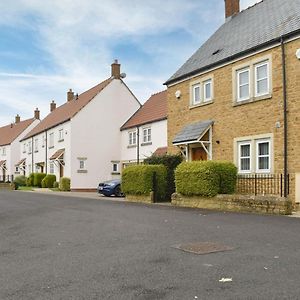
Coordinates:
[57,154]
[21,162]
[2,162]
[192,132]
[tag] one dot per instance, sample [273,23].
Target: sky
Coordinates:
[50,46]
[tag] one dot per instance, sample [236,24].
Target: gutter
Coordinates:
[46,152]
[32,154]
[285,119]
[233,57]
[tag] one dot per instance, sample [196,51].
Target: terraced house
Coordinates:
[237,97]
[81,138]
[10,135]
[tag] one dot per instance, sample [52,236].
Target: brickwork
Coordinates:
[249,119]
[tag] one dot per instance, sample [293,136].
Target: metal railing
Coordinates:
[261,184]
[6,178]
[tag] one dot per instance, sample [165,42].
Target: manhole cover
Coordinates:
[202,248]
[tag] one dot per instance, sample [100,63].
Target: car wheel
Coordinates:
[118,192]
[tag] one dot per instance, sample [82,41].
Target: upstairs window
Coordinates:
[24,147]
[146,135]
[3,151]
[207,90]
[243,84]
[51,140]
[60,135]
[36,145]
[201,91]
[196,94]
[261,79]
[132,138]
[29,147]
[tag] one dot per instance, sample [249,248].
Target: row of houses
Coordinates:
[236,98]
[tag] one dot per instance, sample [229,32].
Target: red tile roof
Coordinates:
[68,110]
[10,132]
[154,109]
[161,151]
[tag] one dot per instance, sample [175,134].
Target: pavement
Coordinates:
[66,247]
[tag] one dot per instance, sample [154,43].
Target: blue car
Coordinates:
[111,187]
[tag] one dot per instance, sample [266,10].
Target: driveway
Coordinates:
[58,247]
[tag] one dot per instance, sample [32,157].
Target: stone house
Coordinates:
[81,138]
[237,97]
[145,132]
[10,135]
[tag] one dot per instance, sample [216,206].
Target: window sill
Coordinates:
[51,147]
[253,99]
[82,171]
[201,104]
[146,144]
[36,151]
[131,146]
[115,173]
[59,141]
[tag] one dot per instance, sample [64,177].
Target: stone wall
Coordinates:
[140,198]
[239,203]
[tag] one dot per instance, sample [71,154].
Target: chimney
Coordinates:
[115,69]
[70,95]
[18,119]
[52,106]
[232,7]
[37,114]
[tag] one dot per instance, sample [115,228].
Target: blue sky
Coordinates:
[49,46]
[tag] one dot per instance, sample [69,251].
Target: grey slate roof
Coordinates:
[192,132]
[258,25]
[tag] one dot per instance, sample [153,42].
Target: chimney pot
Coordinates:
[37,114]
[70,95]
[232,7]
[52,106]
[18,119]
[115,69]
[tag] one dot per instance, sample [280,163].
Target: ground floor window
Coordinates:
[51,171]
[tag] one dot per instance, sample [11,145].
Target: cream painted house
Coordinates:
[145,132]
[11,164]
[81,138]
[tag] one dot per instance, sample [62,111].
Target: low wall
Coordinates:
[140,198]
[239,203]
[7,186]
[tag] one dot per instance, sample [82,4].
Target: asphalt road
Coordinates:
[54,247]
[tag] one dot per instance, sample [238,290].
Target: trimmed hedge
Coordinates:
[170,162]
[205,178]
[48,181]
[30,178]
[20,181]
[55,185]
[65,184]
[37,179]
[138,180]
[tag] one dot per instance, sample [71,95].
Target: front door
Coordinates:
[61,171]
[199,154]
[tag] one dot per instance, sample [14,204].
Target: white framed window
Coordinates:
[24,147]
[60,135]
[244,157]
[3,151]
[29,147]
[262,79]
[243,84]
[196,90]
[51,168]
[51,140]
[147,135]
[43,141]
[207,90]
[263,158]
[81,164]
[132,138]
[115,167]
[36,145]
[17,169]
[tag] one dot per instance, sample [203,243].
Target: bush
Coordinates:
[138,180]
[64,184]
[30,178]
[170,162]
[48,181]
[20,181]
[37,179]
[55,185]
[205,178]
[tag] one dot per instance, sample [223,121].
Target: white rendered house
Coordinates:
[10,136]
[81,139]
[145,132]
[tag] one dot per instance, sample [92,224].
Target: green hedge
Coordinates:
[20,181]
[55,185]
[64,184]
[138,180]
[37,179]
[205,178]
[170,162]
[48,181]
[30,178]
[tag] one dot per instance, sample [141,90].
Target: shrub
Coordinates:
[29,181]
[20,181]
[48,181]
[206,178]
[37,179]
[170,162]
[64,184]
[55,185]
[197,178]
[138,180]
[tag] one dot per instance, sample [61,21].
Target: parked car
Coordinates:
[111,187]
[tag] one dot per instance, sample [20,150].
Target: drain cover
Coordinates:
[202,248]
